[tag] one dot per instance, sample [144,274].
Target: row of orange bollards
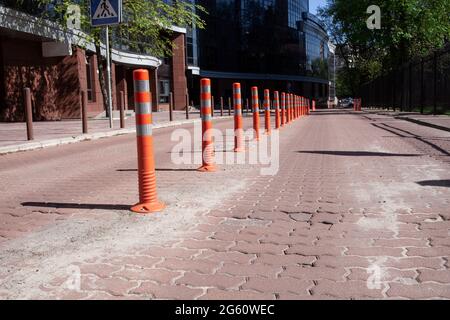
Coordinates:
[291,108]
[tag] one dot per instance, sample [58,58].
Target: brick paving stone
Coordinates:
[217,245]
[374,251]
[175,292]
[137,261]
[228,236]
[315,250]
[285,260]
[279,285]
[100,270]
[346,290]
[115,286]
[420,291]
[157,275]
[204,266]
[219,281]
[428,252]
[287,240]
[254,269]
[159,252]
[414,262]
[256,248]
[387,274]
[314,273]
[401,243]
[216,294]
[227,257]
[342,261]
[441,276]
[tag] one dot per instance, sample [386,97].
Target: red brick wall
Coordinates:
[179,82]
[48,78]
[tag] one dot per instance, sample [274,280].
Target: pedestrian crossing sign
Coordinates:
[106,12]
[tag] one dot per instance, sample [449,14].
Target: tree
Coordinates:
[146,27]
[409,28]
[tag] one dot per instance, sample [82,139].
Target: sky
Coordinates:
[313,4]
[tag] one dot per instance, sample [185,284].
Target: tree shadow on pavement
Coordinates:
[394,130]
[435,183]
[76,205]
[361,154]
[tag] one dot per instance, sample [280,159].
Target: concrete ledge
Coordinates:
[34,145]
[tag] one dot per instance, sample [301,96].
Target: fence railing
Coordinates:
[421,85]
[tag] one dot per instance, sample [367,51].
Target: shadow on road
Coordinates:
[76,205]
[360,154]
[435,183]
[394,130]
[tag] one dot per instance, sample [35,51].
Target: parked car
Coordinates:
[346,103]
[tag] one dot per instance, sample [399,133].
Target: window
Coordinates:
[89,79]
[164,91]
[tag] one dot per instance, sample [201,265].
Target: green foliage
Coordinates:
[146,25]
[409,28]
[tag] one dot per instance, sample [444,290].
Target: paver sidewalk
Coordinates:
[355,212]
[54,133]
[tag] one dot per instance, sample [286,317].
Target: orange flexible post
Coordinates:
[238,123]
[267,110]
[148,198]
[207,141]
[255,106]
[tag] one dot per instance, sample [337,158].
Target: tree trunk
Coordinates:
[101,77]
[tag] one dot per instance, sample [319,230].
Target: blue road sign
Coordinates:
[106,12]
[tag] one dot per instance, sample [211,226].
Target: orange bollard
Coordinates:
[148,198]
[283,109]
[288,108]
[206,112]
[238,125]
[314,105]
[255,106]
[267,110]
[292,107]
[302,106]
[276,103]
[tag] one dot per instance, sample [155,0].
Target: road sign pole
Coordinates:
[108,76]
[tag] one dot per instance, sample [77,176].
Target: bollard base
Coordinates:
[144,208]
[207,168]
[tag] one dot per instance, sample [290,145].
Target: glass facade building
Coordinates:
[262,40]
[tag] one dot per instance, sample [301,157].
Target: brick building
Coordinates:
[58,65]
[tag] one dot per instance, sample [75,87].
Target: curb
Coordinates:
[90,136]
[423,123]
